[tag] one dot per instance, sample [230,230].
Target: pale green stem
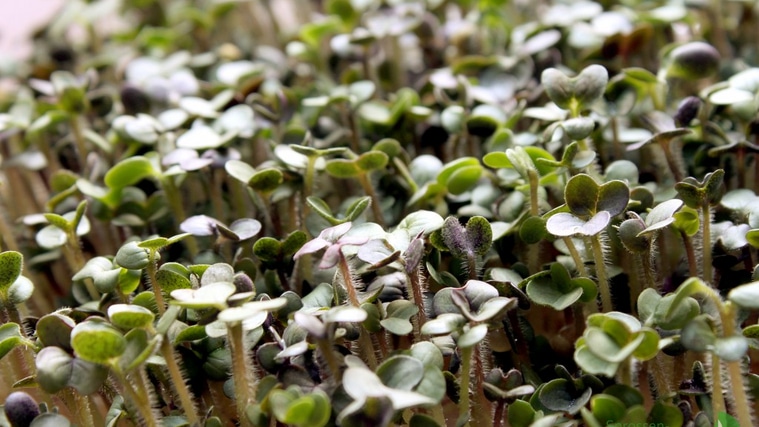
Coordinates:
[406,174]
[466,368]
[77,262]
[690,253]
[417,298]
[365,344]
[308,187]
[237,197]
[178,382]
[579,263]
[482,414]
[661,379]
[625,372]
[707,243]
[244,376]
[534,186]
[177,210]
[81,146]
[742,406]
[533,254]
[718,397]
[603,281]
[648,270]
[325,346]
[139,398]
[366,184]
[471,265]
[345,271]
[217,201]
[23,361]
[152,270]
[79,405]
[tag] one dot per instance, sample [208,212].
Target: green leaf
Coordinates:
[561,395]
[357,208]
[497,160]
[50,419]
[239,170]
[129,172]
[342,168]
[443,324]
[581,195]
[154,243]
[138,349]
[401,372]
[128,317]
[543,291]
[746,296]
[428,353]
[593,364]
[565,224]
[575,93]
[479,234]
[11,264]
[687,220]
[533,230]
[132,256]
[473,336]
[693,61]
[578,128]
[20,291]
[10,338]
[54,329]
[521,414]
[266,180]
[398,314]
[698,335]
[51,237]
[372,160]
[323,210]
[97,342]
[726,420]
[213,295]
[58,221]
[666,414]
[613,197]
[421,420]
[267,249]
[463,179]
[732,348]
[54,367]
[607,408]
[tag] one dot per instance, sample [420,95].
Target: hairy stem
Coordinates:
[579,263]
[139,399]
[375,204]
[706,237]
[466,368]
[152,270]
[417,298]
[603,281]
[81,146]
[690,252]
[244,377]
[345,271]
[178,381]
[742,406]
[174,199]
[718,397]
[329,355]
[77,261]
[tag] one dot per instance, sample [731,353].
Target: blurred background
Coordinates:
[19,20]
